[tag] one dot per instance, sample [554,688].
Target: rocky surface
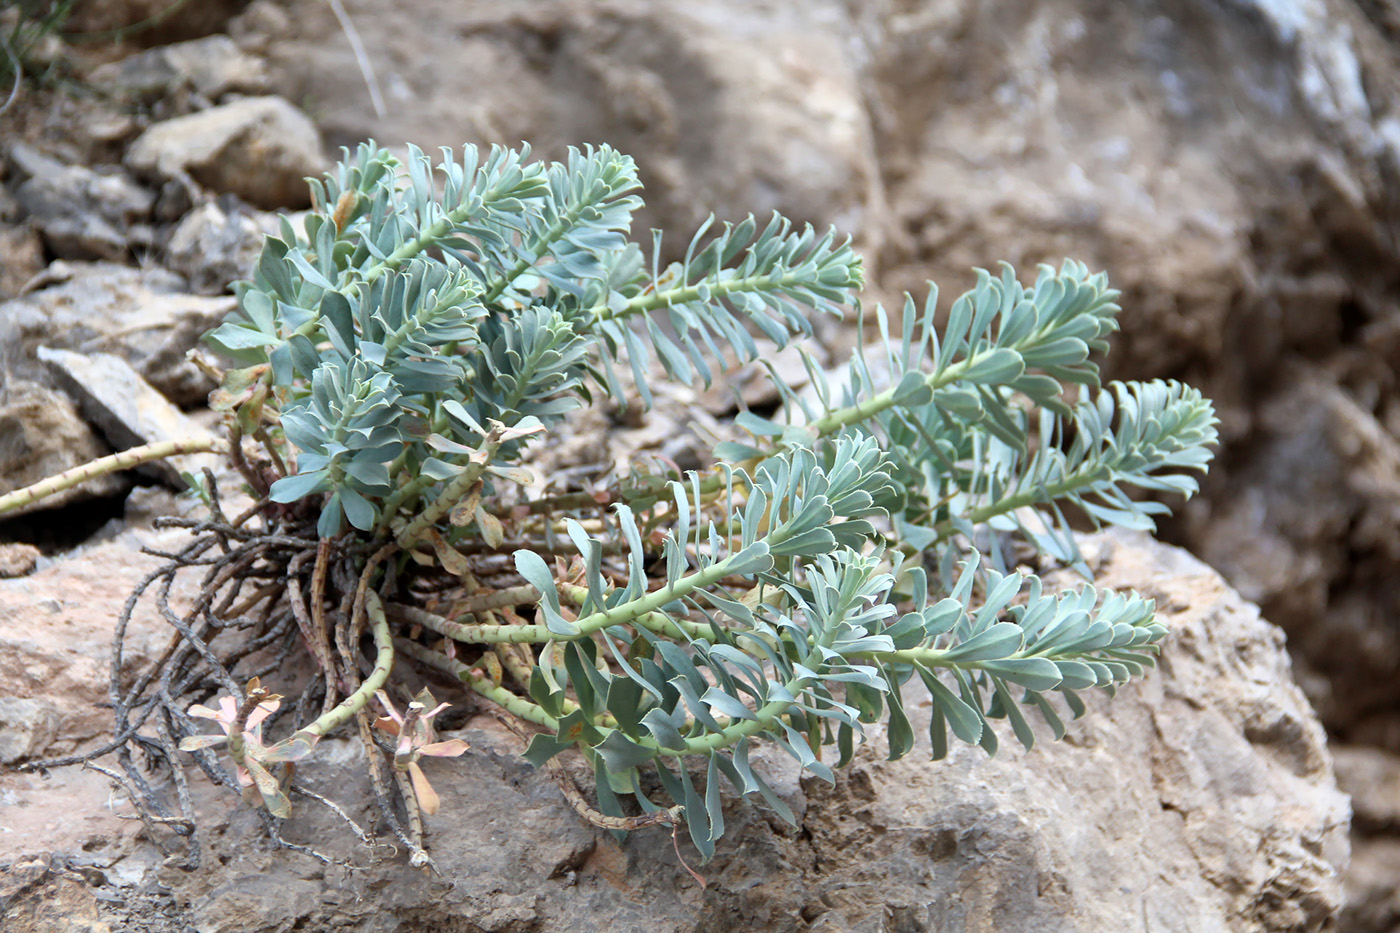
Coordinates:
[130,413]
[80,213]
[24,259]
[1314,533]
[212,246]
[144,316]
[18,560]
[1201,799]
[41,433]
[1372,777]
[772,86]
[39,894]
[1232,163]
[186,74]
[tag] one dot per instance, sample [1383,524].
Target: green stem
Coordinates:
[450,298]
[431,236]
[938,657]
[764,716]
[1032,496]
[455,491]
[383,663]
[685,294]
[469,634]
[125,460]
[639,612]
[657,622]
[519,706]
[494,692]
[500,599]
[548,237]
[1027,497]
[882,401]
[630,612]
[409,490]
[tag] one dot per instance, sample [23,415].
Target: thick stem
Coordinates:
[497,694]
[472,633]
[629,613]
[764,716]
[556,230]
[456,490]
[642,611]
[383,664]
[125,460]
[408,492]
[263,438]
[737,729]
[1039,494]
[469,634]
[235,455]
[653,621]
[517,661]
[499,599]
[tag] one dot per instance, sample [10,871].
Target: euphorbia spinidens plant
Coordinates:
[396,358]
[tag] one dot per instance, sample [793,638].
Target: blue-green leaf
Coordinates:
[299,486]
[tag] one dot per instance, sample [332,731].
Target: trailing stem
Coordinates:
[115,463]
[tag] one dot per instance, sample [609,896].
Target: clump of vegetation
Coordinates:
[397,358]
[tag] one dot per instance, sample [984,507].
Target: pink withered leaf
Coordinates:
[259,785]
[415,739]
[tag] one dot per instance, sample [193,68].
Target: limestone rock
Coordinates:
[42,434]
[115,398]
[24,258]
[210,67]
[17,560]
[80,213]
[1373,894]
[27,727]
[730,107]
[213,247]
[40,896]
[55,648]
[1316,499]
[145,316]
[258,148]
[1372,777]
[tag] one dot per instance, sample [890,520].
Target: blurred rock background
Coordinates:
[1233,164]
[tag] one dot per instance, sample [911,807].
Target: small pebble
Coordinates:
[17,560]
